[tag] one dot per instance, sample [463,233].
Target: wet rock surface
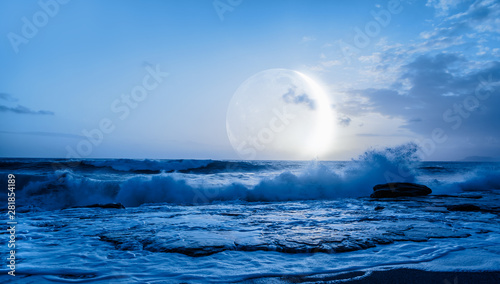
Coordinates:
[399,189]
[107,205]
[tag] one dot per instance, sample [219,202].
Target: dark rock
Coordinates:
[463,207]
[398,189]
[108,205]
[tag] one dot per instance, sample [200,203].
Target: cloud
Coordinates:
[324,65]
[379,135]
[483,16]
[467,116]
[19,109]
[308,39]
[24,110]
[443,6]
[414,120]
[7,97]
[292,97]
[475,28]
[344,120]
[481,12]
[49,134]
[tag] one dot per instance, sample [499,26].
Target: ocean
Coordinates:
[199,221]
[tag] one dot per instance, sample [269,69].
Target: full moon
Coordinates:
[280,114]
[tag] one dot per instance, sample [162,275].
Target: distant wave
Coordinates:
[153,166]
[134,166]
[227,166]
[26,164]
[434,168]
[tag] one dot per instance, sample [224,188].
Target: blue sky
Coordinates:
[428,74]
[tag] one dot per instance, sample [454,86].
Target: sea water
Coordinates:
[226,221]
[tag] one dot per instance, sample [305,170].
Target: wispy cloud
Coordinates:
[7,97]
[24,110]
[42,133]
[308,39]
[380,135]
[324,65]
[443,6]
[292,97]
[19,109]
[473,30]
[344,120]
